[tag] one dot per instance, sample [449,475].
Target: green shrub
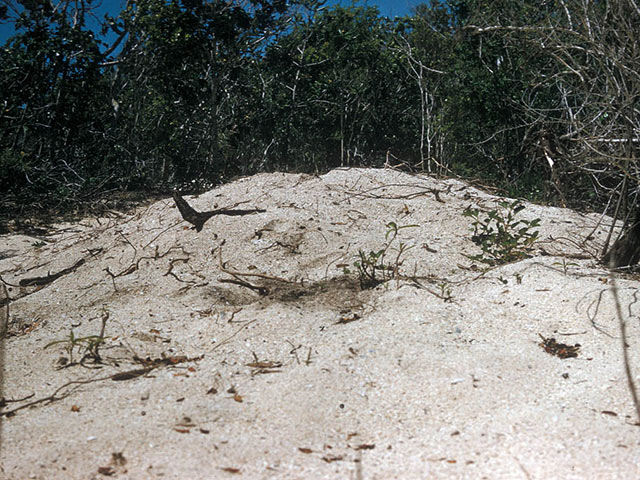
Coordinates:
[502,238]
[374,268]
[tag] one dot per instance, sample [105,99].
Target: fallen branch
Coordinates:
[228,339]
[236,274]
[158,235]
[54,396]
[148,366]
[197,219]
[4,318]
[170,271]
[127,271]
[625,345]
[261,290]
[39,281]
[422,191]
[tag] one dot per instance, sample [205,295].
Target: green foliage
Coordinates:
[565,265]
[502,238]
[88,346]
[51,116]
[12,168]
[331,91]
[196,91]
[445,291]
[375,267]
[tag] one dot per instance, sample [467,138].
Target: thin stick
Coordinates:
[4,319]
[166,229]
[228,339]
[243,274]
[261,290]
[54,396]
[625,354]
[135,250]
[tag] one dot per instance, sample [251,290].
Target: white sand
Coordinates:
[288,387]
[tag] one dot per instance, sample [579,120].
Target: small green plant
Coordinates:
[565,265]
[502,238]
[89,346]
[373,268]
[445,291]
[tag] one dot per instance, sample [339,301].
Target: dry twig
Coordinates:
[625,346]
[197,219]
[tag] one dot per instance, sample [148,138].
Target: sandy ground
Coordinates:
[248,351]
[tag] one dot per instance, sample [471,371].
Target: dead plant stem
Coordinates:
[625,353]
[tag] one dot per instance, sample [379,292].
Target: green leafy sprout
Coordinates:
[89,346]
[377,267]
[502,238]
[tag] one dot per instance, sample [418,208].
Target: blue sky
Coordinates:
[389,8]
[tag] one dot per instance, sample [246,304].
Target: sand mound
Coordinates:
[250,350]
